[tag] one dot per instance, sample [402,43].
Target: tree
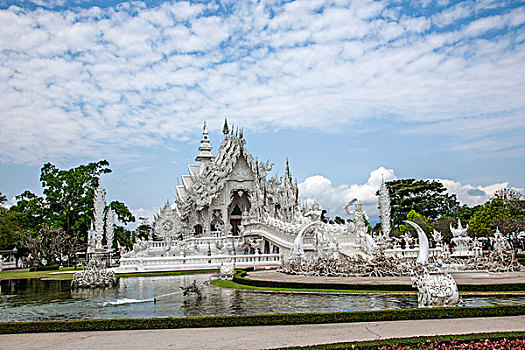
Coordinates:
[144,229]
[8,229]
[426,197]
[419,219]
[488,218]
[67,204]
[3,198]
[47,245]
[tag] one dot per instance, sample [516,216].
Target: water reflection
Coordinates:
[25,300]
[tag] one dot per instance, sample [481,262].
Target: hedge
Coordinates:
[240,278]
[260,320]
[376,344]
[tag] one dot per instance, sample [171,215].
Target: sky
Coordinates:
[349,91]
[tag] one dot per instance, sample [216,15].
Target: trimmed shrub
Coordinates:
[260,320]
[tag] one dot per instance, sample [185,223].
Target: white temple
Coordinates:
[230,211]
[228,207]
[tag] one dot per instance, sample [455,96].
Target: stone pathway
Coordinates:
[258,337]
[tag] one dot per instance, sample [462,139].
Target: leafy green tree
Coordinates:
[488,217]
[9,229]
[514,201]
[3,198]
[121,234]
[442,225]
[419,219]
[426,197]
[464,213]
[67,204]
[144,229]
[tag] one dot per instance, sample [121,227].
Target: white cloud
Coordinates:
[333,198]
[472,195]
[87,81]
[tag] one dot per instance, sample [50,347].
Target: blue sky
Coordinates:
[349,91]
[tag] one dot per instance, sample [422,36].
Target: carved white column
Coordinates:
[99,206]
[110,220]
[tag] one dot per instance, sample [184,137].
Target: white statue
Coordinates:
[461,241]
[110,221]
[435,289]
[227,269]
[422,257]
[99,207]
[384,208]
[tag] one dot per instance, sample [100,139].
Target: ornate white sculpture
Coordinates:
[94,276]
[227,269]
[166,224]
[436,289]
[110,221]
[99,207]
[461,241]
[422,257]
[384,208]
[437,237]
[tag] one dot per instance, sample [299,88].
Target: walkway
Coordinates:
[259,337]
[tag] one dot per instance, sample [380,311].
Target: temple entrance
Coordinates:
[235,219]
[239,204]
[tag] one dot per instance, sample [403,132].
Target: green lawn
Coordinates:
[24,273]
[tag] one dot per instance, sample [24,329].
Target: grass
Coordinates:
[234,285]
[25,274]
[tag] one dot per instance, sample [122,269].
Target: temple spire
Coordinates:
[205,147]
[225,128]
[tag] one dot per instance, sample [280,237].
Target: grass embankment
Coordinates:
[461,341]
[234,285]
[260,320]
[241,279]
[25,273]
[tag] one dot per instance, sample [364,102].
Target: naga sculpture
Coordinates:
[435,289]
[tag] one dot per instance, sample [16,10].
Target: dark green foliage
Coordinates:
[240,278]
[3,198]
[428,198]
[488,217]
[8,229]
[400,342]
[67,204]
[260,320]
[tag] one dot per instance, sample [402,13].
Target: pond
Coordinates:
[31,300]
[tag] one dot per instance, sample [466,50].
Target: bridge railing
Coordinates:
[197,262]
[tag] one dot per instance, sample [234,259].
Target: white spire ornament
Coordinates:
[99,206]
[110,220]
[205,147]
[384,208]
